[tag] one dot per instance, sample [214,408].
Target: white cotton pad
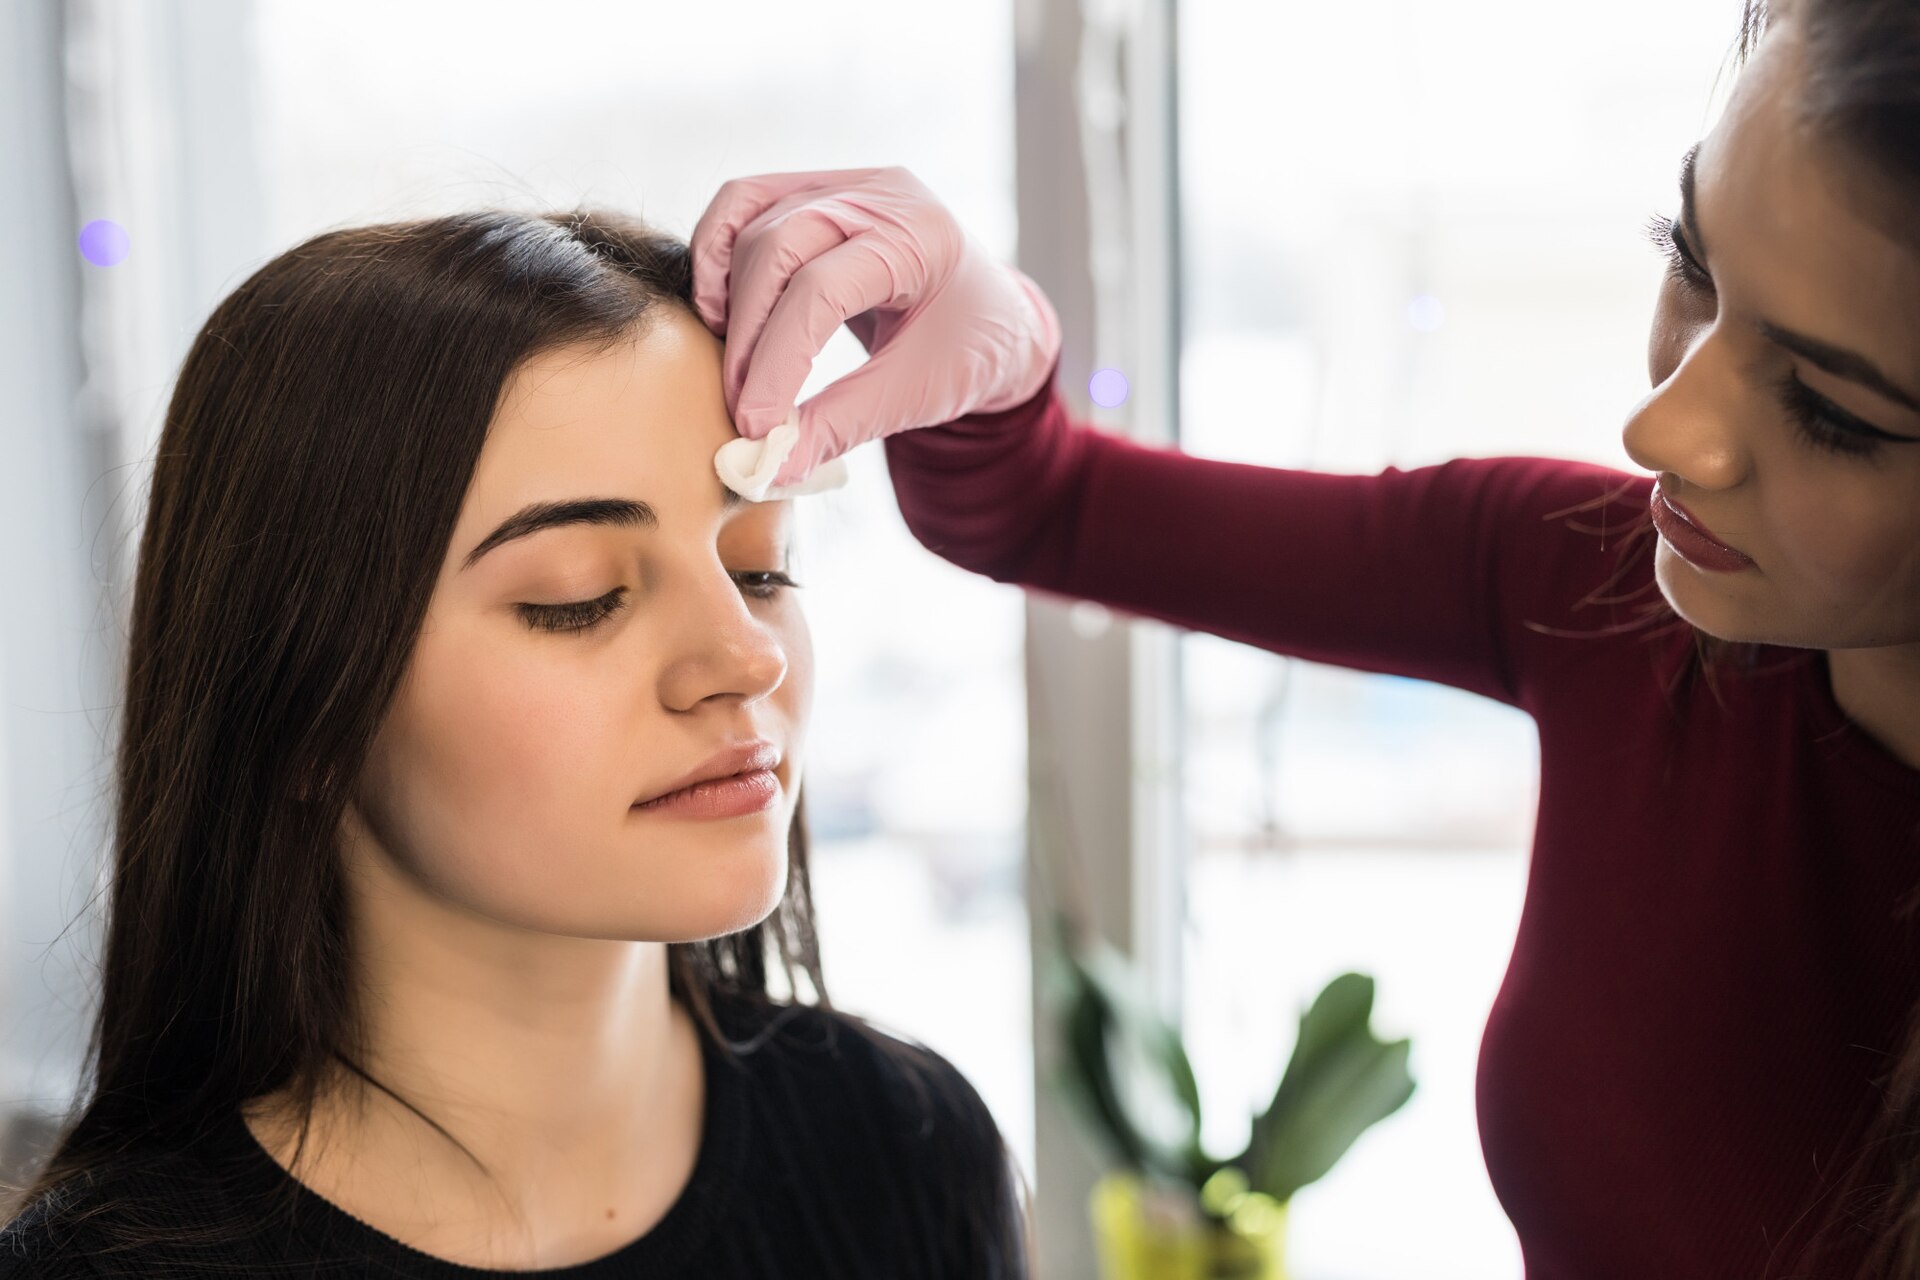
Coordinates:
[748,466]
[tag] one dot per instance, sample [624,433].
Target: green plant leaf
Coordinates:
[1128,1067]
[1086,1021]
[1340,1081]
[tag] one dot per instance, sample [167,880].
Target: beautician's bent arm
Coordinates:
[1469,573]
[1457,573]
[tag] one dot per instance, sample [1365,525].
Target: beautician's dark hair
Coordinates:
[316,452]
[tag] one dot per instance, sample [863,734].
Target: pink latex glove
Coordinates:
[783,259]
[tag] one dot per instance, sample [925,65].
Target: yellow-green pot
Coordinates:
[1144,1235]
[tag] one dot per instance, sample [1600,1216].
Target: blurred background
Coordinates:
[1307,235]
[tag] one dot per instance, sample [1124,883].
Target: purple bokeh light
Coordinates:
[1107,388]
[1426,313]
[104,242]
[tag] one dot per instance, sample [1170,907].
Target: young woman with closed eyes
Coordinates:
[1704,1061]
[459,816]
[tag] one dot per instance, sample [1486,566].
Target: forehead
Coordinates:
[642,417]
[1793,224]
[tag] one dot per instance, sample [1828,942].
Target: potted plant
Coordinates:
[1170,1211]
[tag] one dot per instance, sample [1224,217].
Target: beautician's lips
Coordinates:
[1691,539]
[736,781]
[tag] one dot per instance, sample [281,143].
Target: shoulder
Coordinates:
[837,1057]
[1542,534]
[1544,497]
[898,1111]
[1573,525]
[49,1240]
[1566,572]
[162,1214]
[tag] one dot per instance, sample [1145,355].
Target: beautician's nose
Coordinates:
[1695,424]
[720,649]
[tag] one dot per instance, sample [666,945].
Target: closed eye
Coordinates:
[764,584]
[581,615]
[585,615]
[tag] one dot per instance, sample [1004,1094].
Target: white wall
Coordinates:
[49,664]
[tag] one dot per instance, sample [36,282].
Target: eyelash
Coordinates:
[1821,423]
[584,615]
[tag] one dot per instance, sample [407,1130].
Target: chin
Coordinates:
[1740,608]
[726,892]
[1707,606]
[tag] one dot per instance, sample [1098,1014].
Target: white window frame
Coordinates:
[141,114]
[1096,181]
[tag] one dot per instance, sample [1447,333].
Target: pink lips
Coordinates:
[1691,540]
[738,779]
[729,797]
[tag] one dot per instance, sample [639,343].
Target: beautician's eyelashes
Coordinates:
[1820,422]
[1825,424]
[585,615]
[1664,231]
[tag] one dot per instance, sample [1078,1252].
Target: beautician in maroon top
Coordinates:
[1690,1069]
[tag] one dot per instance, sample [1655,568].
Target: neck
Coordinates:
[561,1063]
[1879,689]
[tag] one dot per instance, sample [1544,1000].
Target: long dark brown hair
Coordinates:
[319,443]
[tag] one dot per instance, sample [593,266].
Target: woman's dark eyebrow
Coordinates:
[1686,203]
[1840,363]
[535,516]
[1837,361]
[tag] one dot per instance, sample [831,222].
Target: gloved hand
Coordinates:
[782,260]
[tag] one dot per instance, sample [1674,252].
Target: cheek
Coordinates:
[501,781]
[1853,558]
[497,764]
[522,728]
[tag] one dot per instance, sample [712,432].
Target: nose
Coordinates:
[1690,425]
[719,648]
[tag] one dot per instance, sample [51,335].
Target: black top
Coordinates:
[828,1149]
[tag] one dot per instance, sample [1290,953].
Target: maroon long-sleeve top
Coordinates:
[1709,973]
